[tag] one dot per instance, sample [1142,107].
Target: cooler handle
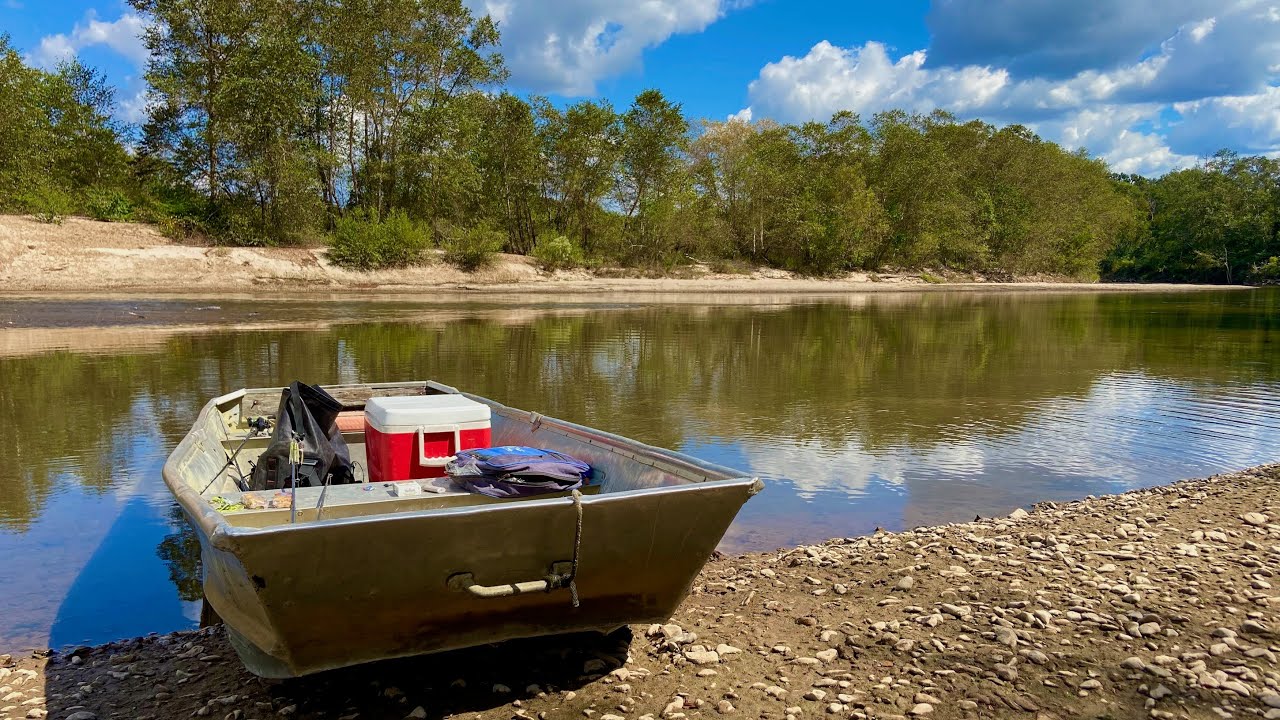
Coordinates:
[425,461]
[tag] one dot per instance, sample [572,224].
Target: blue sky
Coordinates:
[1147,85]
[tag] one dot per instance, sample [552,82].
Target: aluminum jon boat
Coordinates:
[367,574]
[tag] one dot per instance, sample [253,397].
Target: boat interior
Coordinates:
[618,465]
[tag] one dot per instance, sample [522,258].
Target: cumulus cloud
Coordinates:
[566,47]
[1151,102]
[123,35]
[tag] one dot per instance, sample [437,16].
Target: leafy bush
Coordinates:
[109,205]
[1267,273]
[929,277]
[472,248]
[362,242]
[557,252]
[180,229]
[49,203]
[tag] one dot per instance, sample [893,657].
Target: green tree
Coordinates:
[652,178]
[511,165]
[581,146]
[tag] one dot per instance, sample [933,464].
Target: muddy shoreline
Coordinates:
[1151,603]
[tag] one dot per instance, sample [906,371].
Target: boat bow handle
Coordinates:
[441,461]
[558,577]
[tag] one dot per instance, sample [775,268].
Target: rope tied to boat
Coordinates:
[569,579]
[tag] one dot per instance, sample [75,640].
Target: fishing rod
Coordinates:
[256,425]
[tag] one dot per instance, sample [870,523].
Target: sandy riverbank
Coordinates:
[1154,603]
[83,256]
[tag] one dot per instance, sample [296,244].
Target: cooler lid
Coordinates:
[415,410]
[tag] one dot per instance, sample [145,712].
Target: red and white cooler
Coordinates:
[414,437]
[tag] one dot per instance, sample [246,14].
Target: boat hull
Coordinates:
[299,599]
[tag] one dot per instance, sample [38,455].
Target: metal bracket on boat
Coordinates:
[535,420]
[557,578]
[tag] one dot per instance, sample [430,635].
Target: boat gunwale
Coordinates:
[219,529]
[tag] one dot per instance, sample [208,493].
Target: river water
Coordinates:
[885,410]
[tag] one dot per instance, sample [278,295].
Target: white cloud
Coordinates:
[1206,84]
[123,35]
[1249,123]
[133,109]
[566,47]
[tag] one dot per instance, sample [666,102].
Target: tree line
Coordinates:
[383,129]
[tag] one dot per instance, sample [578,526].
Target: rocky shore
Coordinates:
[1153,603]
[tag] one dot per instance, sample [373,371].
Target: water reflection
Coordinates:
[861,412]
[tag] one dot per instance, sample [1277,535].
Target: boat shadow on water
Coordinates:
[197,674]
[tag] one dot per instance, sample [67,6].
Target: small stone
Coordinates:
[702,657]
[1253,627]
[724,649]
[1270,698]
[1237,687]
[816,695]
[827,655]
[1008,673]
[82,715]
[1037,657]
[921,709]
[724,707]
[1133,663]
[1006,636]
[417,713]
[1159,692]
[1255,519]
[1090,684]
[501,689]
[1019,514]
[905,584]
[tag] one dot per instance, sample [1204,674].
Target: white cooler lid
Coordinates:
[415,410]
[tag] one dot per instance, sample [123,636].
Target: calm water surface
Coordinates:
[860,412]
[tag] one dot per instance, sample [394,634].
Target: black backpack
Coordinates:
[311,414]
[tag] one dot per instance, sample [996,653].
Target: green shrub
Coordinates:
[48,203]
[472,248]
[403,240]
[362,242]
[931,278]
[180,229]
[108,205]
[1267,272]
[554,253]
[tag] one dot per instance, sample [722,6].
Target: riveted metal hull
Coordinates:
[369,581]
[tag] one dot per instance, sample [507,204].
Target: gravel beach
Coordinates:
[1153,603]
